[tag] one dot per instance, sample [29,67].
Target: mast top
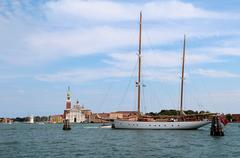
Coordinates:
[68,93]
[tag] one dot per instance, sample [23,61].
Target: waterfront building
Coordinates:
[75,115]
[7,120]
[99,118]
[236,117]
[103,115]
[86,112]
[96,118]
[123,114]
[56,119]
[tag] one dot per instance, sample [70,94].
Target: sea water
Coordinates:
[89,141]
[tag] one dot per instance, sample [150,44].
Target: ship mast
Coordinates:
[182,77]
[139,63]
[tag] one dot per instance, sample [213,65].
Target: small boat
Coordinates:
[106,126]
[41,123]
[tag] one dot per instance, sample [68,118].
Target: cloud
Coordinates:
[226,101]
[20,91]
[80,41]
[88,75]
[83,75]
[92,10]
[231,50]
[156,65]
[79,28]
[47,37]
[227,93]
[112,11]
[215,73]
[159,59]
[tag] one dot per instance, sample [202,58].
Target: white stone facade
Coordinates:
[75,114]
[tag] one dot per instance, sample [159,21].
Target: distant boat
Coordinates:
[105,126]
[142,122]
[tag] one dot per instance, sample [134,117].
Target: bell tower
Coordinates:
[68,101]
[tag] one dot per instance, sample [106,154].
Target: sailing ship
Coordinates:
[144,122]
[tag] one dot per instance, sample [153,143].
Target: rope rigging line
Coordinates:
[194,90]
[106,95]
[162,86]
[145,70]
[129,82]
[132,36]
[144,98]
[203,86]
[135,98]
[144,102]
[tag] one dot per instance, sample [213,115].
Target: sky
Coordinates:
[92,46]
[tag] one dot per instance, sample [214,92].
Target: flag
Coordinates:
[223,120]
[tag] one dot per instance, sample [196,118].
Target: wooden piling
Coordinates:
[66,125]
[216,127]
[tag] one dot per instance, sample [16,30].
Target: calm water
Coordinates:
[26,140]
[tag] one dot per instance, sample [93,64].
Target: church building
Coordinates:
[73,114]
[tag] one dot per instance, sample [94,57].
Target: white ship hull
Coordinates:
[184,125]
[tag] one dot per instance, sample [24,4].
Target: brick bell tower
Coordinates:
[68,103]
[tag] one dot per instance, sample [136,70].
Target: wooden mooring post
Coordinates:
[66,125]
[216,127]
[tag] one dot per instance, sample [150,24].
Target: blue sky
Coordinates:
[91,46]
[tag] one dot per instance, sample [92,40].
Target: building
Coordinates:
[99,118]
[123,115]
[236,117]
[86,112]
[104,116]
[75,114]
[56,119]
[7,120]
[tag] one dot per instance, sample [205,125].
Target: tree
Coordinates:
[229,117]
